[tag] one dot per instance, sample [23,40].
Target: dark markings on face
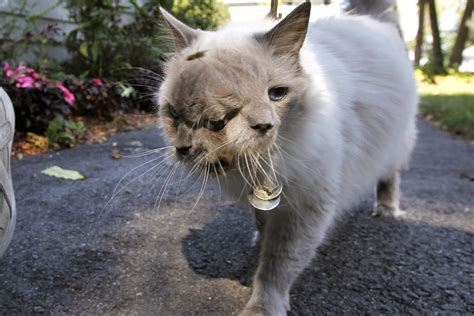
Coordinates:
[203,122]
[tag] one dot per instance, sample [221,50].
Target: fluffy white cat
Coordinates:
[325,109]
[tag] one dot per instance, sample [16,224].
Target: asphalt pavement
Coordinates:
[75,253]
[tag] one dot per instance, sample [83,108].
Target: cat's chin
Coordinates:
[219,167]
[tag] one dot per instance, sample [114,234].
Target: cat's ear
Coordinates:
[183,35]
[287,37]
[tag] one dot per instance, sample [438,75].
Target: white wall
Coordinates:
[56,14]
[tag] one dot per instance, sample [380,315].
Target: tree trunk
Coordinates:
[273,9]
[437,53]
[456,55]
[420,33]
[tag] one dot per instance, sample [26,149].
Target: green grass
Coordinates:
[448,101]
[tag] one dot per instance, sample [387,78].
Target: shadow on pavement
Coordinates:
[375,265]
[223,249]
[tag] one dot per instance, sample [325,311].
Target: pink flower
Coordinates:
[7,69]
[97,82]
[24,82]
[20,68]
[68,96]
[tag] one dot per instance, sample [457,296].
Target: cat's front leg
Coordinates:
[260,218]
[289,243]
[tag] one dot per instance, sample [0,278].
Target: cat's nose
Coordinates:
[183,150]
[262,128]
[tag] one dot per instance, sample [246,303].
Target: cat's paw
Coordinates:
[267,304]
[259,310]
[254,310]
[387,211]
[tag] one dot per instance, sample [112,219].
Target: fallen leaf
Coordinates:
[30,144]
[59,172]
[116,154]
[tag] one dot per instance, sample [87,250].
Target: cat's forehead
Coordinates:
[197,75]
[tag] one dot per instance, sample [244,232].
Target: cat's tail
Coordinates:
[382,10]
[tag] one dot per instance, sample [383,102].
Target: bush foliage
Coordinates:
[39,100]
[111,41]
[202,14]
[103,43]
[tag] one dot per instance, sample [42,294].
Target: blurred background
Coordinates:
[80,70]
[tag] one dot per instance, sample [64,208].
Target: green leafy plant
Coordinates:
[104,43]
[203,14]
[64,132]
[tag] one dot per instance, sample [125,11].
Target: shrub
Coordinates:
[62,132]
[203,14]
[104,44]
[39,100]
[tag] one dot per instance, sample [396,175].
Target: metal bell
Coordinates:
[265,199]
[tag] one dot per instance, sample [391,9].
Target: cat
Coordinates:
[325,110]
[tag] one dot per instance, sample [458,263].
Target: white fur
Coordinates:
[357,124]
[354,128]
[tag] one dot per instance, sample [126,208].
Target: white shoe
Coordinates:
[7,195]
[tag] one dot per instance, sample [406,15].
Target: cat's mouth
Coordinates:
[220,166]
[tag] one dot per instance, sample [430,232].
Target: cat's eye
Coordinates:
[277,93]
[172,112]
[216,126]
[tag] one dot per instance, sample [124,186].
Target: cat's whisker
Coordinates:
[270,164]
[180,182]
[133,169]
[202,189]
[244,187]
[290,203]
[119,190]
[159,166]
[272,167]
[254,183]
[150,72]
[222,168]
[165,186]
[218,181]
[147,152]
[278,150]
[241,171]
[141,97]
[201,176]
[197,163]
[139,85]
[139,69]
[156,174]
[259,166]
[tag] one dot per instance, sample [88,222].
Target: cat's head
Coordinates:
[226,93]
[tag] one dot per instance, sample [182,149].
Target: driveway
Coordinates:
[73,253]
